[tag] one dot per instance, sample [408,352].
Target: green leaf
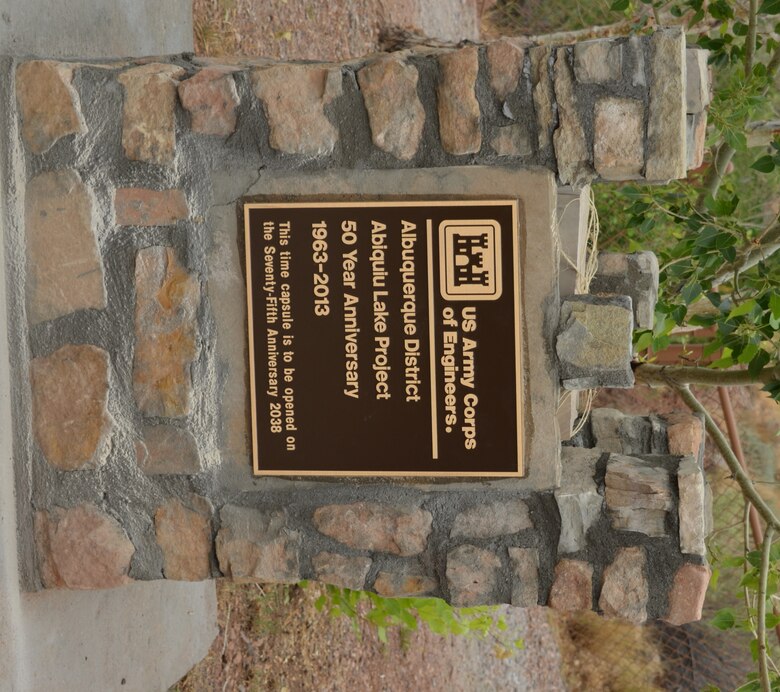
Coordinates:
[758,363]
[724,619]
[643,342]
[774,304]
[619,5]
[768,7]
[742,309]
[691,292]
[765,164]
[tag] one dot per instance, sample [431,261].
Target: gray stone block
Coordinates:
[697,83]
[579,502]
[693,508]
[594,342]
[634,275]
[638,495]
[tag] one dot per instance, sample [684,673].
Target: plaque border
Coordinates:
[285,203]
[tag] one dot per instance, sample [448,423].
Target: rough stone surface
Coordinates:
[371,526]
[685,434]
[166,449]
[618,139]
[167,299]
[505,65]
[48,104]
[525,576]
[634,275]
[571,148]
[697,82]
[82,548]
[692,508]
[578,499]
[404,584]
[666,125]
[624,590]
[543,94]
[395,113]
[459,115]
[211,99]
[512,140]
[254,545]
[638,77]
[638,495]
[686,598]
[137,206]
[696,125]
[605,424]
[598,61]
[294,98]
[184,536]
[572,587]
[339,570]
[594,342]
[492,519]
[69,398]
[64,269]
[148,119]
[472,575]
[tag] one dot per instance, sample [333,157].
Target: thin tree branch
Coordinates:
[682,375]
[749,491]
[750,39]
[766,245]
[763,666]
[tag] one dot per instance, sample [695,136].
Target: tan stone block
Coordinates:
[380,528]
[254,545]
[571,151]
[167,299]
[82,548]
[505,64]
[696,139]
[692,510]
[184,536]
[211,99]
[340,570]
[666,125]
[64,268]
[572,587]
[686,599]
[294,99]
[459,114]
[138,206]
[525,576]
[405,584]
[148,116]
[166,449]
[48,103]
[543,94]
[395,113]
[598,61]
[685,434]
[512,140]
[492,519]
[472,575]
[624,590]
[697,80]
[69,400]
[619,142]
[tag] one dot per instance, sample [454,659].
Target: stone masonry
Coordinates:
[127,309]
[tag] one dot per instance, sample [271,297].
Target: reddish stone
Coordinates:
[686,599]
[184,536]
[137,206]
[167,299]
[685,434]
[370,526]
[346,572]
[395,113]
[624,591]
[148,116]
[294,98]
[82,548]
[69,398]
[64,268]
[48,104]
[572,587]
[505,63]
[404,584]
[459,114]
[211,98]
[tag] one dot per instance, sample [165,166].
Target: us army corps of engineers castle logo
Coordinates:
[470,260]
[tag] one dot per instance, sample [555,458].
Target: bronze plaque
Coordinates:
[384,338]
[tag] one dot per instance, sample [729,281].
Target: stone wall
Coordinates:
[127,316]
